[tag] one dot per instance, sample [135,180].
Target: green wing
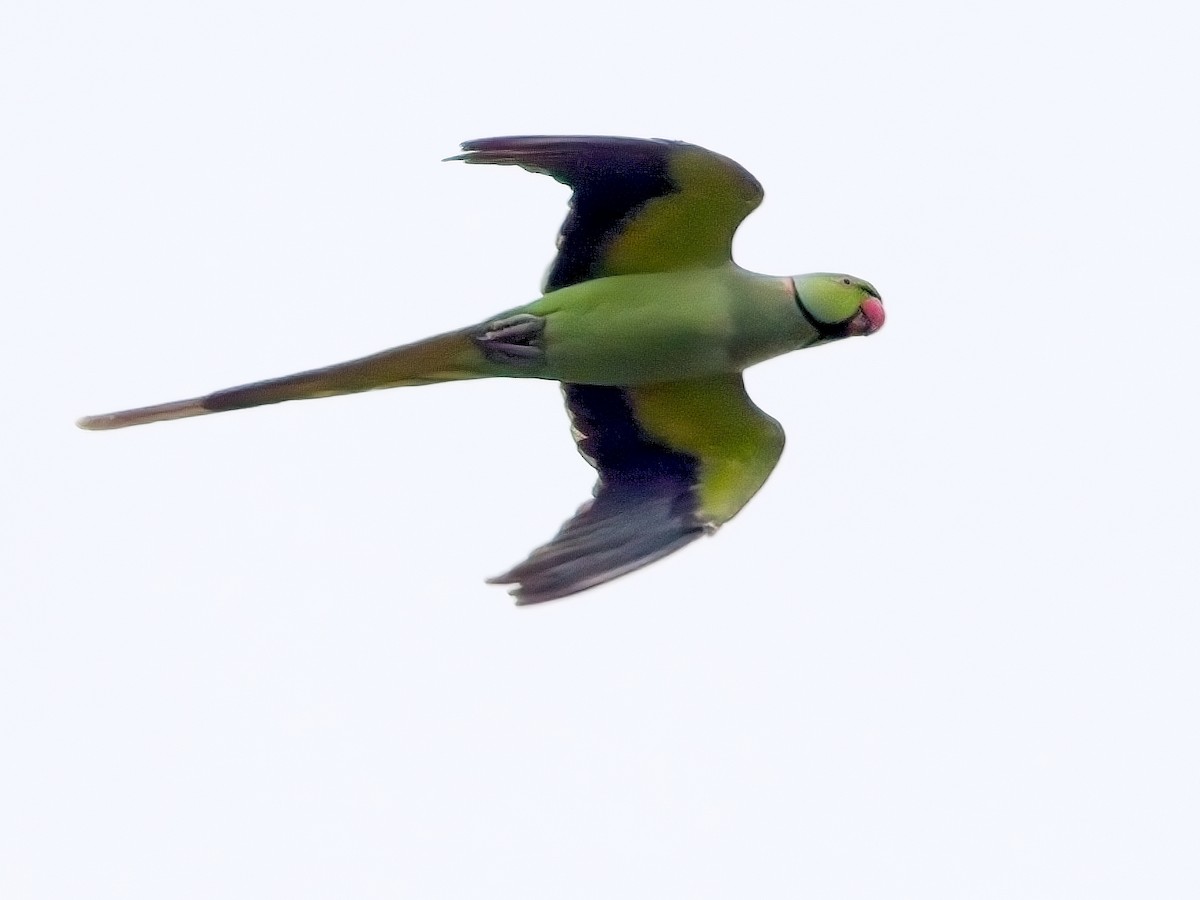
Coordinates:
[735,444]
[676,460]
[637,205]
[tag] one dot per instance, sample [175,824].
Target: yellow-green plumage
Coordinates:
[712,419]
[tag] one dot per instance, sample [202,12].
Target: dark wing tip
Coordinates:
[544,149]
[626,527]
[535,142]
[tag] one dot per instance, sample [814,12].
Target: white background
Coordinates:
[949,652]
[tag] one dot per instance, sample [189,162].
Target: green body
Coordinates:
[666,326]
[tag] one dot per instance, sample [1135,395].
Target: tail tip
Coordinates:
[94,423]
[163,412]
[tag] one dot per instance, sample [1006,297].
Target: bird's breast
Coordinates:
[639,329]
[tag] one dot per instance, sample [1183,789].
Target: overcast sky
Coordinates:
[948,652]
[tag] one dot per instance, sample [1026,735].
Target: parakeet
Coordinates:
[647,322]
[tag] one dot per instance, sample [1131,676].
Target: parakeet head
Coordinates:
[839,306]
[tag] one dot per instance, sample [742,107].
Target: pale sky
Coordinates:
[950,651]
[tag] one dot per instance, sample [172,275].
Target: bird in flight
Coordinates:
[647,322]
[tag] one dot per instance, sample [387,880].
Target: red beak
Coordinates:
[870,318]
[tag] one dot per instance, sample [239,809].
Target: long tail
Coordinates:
[446,357]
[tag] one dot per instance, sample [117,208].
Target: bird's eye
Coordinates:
[845,281]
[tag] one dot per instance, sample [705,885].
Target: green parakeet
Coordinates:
[647,323]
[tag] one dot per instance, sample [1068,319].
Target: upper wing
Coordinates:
[638,205]
[675,461]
